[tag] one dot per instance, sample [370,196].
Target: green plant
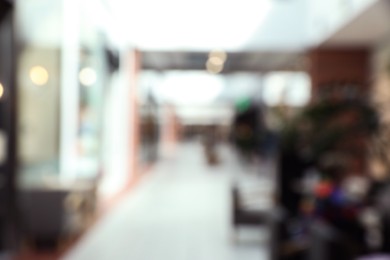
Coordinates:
[338,129]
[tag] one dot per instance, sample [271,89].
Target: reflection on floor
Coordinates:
[181,211]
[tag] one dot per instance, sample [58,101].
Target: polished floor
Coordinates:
[180,211]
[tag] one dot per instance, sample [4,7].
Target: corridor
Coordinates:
[179,211]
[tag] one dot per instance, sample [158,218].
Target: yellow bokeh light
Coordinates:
[87,76]
[216,61]
[39,75]
[220,54]
[214,68]
[1,90]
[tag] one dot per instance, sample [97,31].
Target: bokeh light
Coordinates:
[39,75]
[213,68]
[219,54]
[87,76]
[1,90]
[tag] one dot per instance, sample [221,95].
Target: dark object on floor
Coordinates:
[245,215]
[43,216]
[272,218]
[212,158]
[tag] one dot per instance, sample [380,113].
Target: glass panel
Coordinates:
[93,79]
[38,80]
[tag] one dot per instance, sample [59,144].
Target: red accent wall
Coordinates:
[331,65]
[135,61]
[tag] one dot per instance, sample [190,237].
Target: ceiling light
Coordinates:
[230,25]
[216,61]
[219,54]
[213,68]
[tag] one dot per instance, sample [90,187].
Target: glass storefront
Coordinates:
[39,86]
[64,70]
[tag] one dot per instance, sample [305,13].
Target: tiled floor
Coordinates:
[181,211]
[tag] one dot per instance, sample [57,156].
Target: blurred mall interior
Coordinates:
[194,130]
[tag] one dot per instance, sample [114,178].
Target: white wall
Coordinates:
[116,133]
[241,85]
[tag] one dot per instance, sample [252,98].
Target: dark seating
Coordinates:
[272,218]
[43,216]
[244,215]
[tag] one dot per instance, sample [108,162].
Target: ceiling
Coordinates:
[202,25]
[259,35]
